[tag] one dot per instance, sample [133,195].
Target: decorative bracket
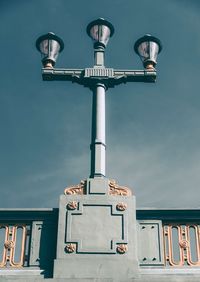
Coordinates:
[78,189]
[113,189]
[116,190]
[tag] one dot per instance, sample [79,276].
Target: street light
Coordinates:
[49,45]
[148,47]
[99,78]
[100,31]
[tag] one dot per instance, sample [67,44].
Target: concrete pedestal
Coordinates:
[96,235]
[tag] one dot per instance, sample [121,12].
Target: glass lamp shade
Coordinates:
[49,46]
[100,31]
[148,47]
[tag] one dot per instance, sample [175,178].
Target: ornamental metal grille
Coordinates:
[182,244]
[14,245]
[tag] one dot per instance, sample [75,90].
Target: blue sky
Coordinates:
[153,131]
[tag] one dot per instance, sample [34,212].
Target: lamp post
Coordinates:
[99,78]
[97,229]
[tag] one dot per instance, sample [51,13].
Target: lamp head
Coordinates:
[49,45]
[100,31]
[148,47]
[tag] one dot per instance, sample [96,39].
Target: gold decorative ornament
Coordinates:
[150,67]
[70,248]
[72,205]
[116,190]
[184,244]
[48,65]
[78,189]
[122,248]
[9,244]
[121,206]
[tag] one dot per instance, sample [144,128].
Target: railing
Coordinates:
[169,238]
[182,244]
[166,239]
[28,239]
[14,247]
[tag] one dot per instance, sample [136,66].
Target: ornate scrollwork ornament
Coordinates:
[70,248]
[9,244]
[72,205]
[116,190]
[78,189]
[121,206]
[184,244]
[122,248]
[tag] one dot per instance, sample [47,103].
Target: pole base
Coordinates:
[97,234]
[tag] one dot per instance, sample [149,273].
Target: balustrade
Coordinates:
[14,245]
[28,239]
[181,243]
[169,238]
[166,238]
